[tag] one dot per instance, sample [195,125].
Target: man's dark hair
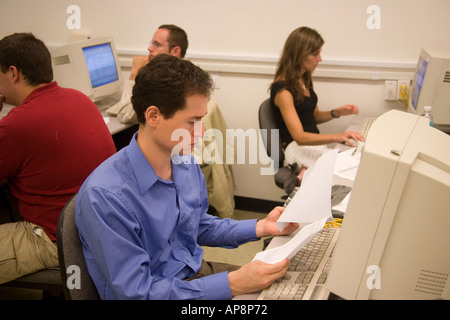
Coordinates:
[165,82]
[29,55]
[177,37]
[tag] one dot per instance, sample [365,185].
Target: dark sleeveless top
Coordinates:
[304,110]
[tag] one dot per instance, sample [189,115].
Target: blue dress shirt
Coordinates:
[141,235]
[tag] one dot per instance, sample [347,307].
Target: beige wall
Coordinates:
[239,43]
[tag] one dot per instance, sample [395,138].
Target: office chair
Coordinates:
[70,253]
[267,121]
[47,279]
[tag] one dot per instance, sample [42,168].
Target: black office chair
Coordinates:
[267,121]
[70,253]
[47,279]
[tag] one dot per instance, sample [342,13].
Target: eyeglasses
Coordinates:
[155,44]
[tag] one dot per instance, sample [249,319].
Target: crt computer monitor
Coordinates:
[90,66]
[395,239]
[431,87]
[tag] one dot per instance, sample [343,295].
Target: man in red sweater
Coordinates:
[49,143]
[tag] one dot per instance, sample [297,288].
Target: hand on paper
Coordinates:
[268,226]
[256,276]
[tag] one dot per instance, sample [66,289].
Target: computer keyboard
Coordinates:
[307,274]
[365,126]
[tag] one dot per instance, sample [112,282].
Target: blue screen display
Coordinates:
[418,82]
[101,64]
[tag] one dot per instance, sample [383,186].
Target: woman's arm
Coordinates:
[324,116]
[285,101]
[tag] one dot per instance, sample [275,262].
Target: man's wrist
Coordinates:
[259,228]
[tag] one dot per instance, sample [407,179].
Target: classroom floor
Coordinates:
[239,256]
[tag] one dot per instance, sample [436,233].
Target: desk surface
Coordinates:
[113,123]
[6,108]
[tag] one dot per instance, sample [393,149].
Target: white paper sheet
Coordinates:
[342,207]
[346,160]
[312,202]
[346,168]
[290,248]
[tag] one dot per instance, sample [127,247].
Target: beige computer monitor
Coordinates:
[90,66]
[431,87]
[394,242]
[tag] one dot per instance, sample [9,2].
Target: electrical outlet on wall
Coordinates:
[403,89]
[390,90]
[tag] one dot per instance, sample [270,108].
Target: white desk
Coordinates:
[6,108]
[113,123]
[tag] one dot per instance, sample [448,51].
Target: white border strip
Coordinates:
[266,65]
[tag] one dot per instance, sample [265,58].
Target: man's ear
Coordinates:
[14,73]
[176,51]
[152,115]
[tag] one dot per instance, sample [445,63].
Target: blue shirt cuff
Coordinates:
[217,286]
[248,228]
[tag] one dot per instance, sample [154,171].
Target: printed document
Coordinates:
[312,201]
[310,207]
[290,248]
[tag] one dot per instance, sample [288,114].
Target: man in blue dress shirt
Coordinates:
[141,215]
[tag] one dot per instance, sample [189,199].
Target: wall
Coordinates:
[239,43]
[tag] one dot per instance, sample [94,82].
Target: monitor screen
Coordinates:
[101,64]
[418,82]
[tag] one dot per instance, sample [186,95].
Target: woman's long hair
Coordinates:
[301,42]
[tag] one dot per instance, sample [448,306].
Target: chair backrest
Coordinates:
[267,121]
[78,285]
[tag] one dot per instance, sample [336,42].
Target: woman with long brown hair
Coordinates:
[294,103]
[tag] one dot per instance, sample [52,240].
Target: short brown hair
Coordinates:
[177,37]
[165,82]
[29,55]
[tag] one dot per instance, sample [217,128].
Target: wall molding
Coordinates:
[266,65]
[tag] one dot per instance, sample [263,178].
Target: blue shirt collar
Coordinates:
[146,176]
